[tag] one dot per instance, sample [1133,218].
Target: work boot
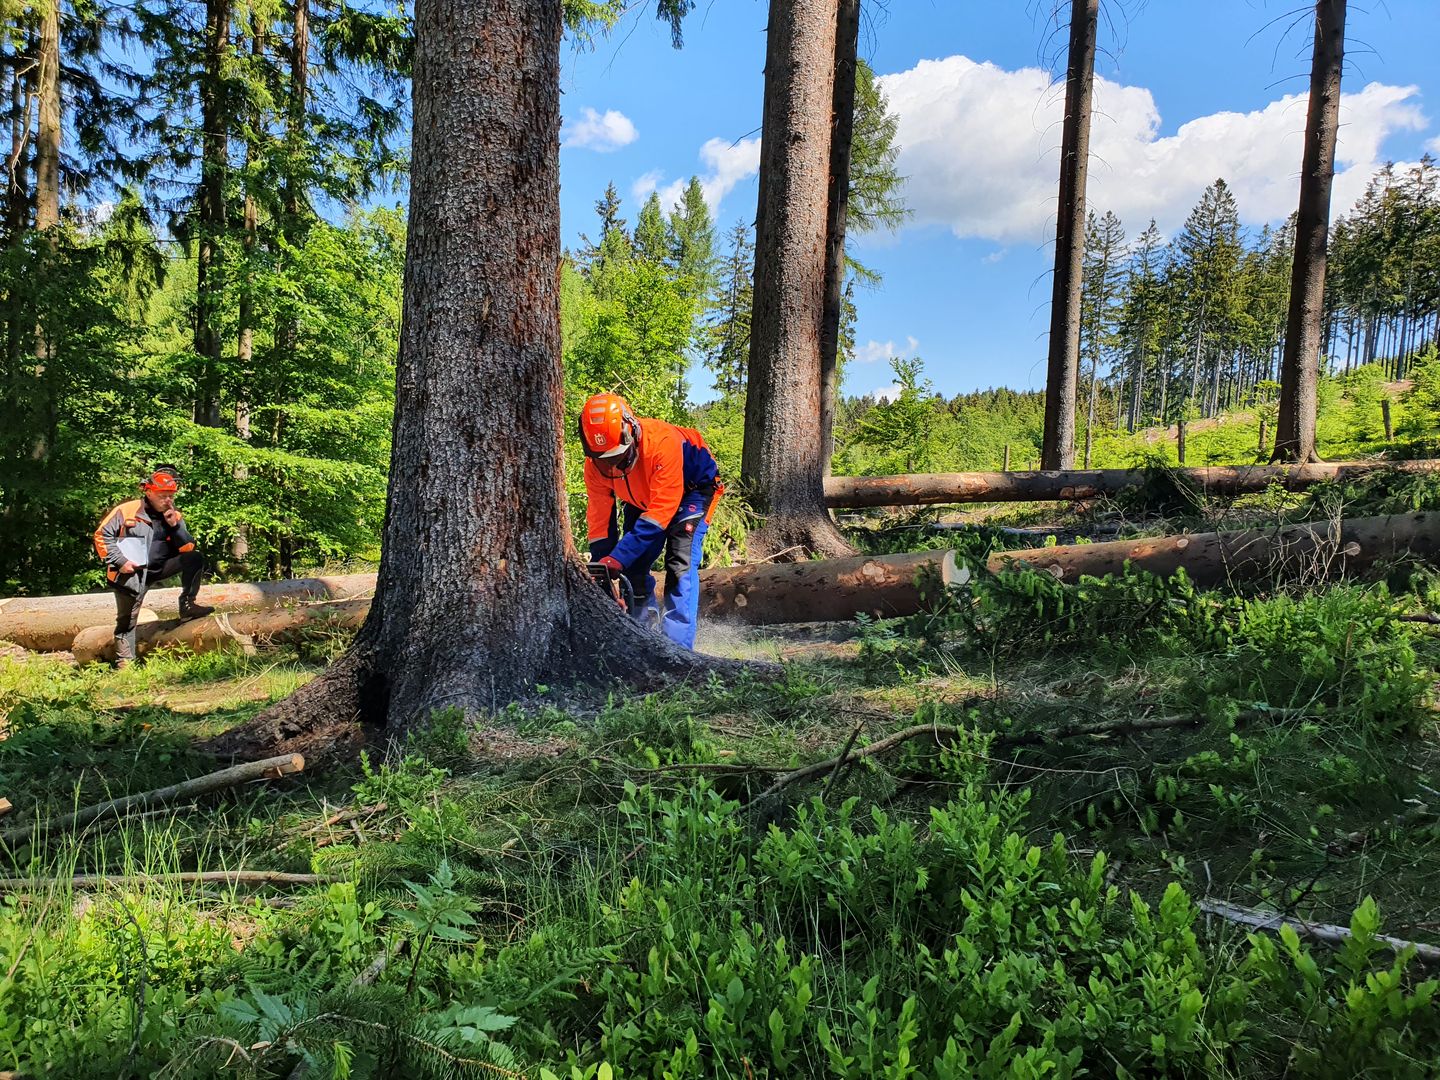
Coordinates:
[191,609]
[124,650]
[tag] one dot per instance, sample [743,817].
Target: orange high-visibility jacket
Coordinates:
[671,461]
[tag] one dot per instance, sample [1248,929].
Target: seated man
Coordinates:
[144,541]
[668,483]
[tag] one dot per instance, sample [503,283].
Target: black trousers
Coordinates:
[130,590]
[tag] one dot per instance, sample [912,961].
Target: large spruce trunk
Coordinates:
[214,148]
[842,134]
[480,592]
[1057,449]
[47,132]
[781,465]
[1300,364]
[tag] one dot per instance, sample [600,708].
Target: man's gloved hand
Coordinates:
[172,517]
[613,565]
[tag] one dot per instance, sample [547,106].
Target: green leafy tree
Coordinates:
[726,333]
[692,241]
[1099,304]
[903,428]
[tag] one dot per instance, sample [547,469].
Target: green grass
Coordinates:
[978,910]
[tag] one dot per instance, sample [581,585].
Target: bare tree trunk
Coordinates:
[1299,370]
[245,347]
[1180,441]
[214,144]
[842,131]
[1090,412]
[47,132]
[47,211]
[1164,388]
[17,196]
[480,591]
[781,465]
[1063,374]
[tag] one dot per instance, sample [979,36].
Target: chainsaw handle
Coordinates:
[611,582]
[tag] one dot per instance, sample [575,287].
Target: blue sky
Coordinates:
[1182,98]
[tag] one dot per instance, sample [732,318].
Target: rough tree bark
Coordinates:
[214,146]
[47,131]
[480,590]
[1063,372]
[1300,365]
[47,205]
[842,134]
[781,464]
[245,347]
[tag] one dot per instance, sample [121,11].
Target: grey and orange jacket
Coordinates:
[136,519]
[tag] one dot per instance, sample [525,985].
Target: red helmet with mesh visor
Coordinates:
[162,481]
[610,434]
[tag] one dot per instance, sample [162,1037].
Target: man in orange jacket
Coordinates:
[144,541]
[666,481]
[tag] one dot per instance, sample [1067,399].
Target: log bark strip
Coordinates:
[97,643]
[1326,932]
[829,590]
[1316,551]
[50,623]
[928,488]
[270,768]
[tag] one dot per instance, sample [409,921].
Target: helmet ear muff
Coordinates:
[632,426]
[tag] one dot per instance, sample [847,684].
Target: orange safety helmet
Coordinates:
[163,481]
[610,434]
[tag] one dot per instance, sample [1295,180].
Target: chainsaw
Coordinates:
[615,585]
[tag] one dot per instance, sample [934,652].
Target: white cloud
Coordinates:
[980,148]
[886,393]
[995,256]
[642,187]
[873,351]
[605,131]
[726,165]
[1433,146]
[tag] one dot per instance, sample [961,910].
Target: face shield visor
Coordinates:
[613,464]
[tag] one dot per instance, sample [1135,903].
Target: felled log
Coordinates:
[927,488]
[50,623]
[1314,551]
[268,769]
[826,590]
[222,629]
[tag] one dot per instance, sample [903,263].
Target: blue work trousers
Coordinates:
[682,543]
